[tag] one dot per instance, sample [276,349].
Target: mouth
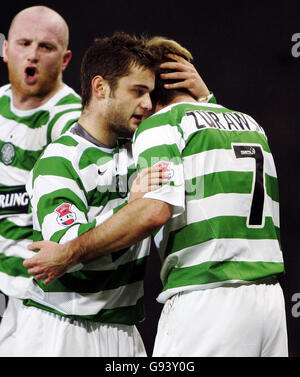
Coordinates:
[138,118]
[31,75]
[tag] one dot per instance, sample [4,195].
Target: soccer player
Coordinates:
[219,241]
[79,180]
[35,108]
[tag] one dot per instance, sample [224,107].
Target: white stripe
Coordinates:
[21,219]
[201,105]
[105,263]
[44,185]
[51,225]
[62,121]
[102,213]
[88,304]
[221,160]
[59,150]
[92,178]
[12,176]
[70,234]
[18,249]
[14,286]
[48,106]
[166,135]
[233,250]
[223,205]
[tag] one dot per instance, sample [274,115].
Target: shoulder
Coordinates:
[5,90]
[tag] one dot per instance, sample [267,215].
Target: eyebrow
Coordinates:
[45,42]
[140,86]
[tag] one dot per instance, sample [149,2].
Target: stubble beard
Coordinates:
[119,123]
[46,84]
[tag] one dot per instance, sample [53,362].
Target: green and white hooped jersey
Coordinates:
[223,186]
[23,137]
[76,185]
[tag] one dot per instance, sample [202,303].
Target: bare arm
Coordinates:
[131,224]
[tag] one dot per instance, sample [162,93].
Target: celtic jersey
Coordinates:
[76,185]
[23,137]
[223,186]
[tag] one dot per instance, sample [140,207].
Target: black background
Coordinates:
[243,50]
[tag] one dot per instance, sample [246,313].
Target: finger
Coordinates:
[178,58]
[34,246]
[176,66]
[49,280]
[181,84]
[175,75]
[36,271]
[31,262]
[154,187]
[40,276]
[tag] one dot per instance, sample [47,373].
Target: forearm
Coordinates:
[131,224]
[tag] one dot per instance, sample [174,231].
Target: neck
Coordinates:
[178,98]
[96,126]
[28,102]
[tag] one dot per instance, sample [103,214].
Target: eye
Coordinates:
[139,92]
[46,47]
[24,43]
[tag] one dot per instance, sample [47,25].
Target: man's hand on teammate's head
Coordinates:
[187,73]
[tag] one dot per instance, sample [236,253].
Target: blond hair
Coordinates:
[160,46]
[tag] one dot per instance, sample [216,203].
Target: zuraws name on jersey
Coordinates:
[13,200]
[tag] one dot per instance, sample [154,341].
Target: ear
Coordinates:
[99,87]
[4,51]
[66,59]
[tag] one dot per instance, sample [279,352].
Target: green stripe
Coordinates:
[66,140]
[11,231]
[49,202]
[174,116]
[68,125]
[36,120]
[127,315]
[213,272]
[94,156]
[211,138]
[219,227]
[224,182]
[219,183]
[56,166]
[24,159]
[68,100]
[95,281]
[153,155]
[272,187]
[13,266]
[55,119]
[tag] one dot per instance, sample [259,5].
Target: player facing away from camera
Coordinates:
[35,108]
[221,255]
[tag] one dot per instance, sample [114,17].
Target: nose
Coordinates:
[146,103]
[33,54]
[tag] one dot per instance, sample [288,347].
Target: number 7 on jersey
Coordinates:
[255,218]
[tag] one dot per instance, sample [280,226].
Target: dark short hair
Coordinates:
[112,58]
[159,48]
